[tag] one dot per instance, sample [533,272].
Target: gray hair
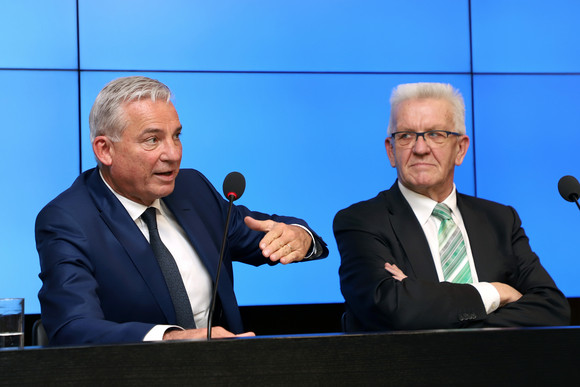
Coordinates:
[107,117]
[421,90]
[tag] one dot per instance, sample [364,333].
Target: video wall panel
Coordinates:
[279,35]
[295,96]
[525,142]
[38,34]
[525,36]
[40,127]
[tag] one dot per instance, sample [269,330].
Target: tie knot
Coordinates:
[149,217]
[441,211]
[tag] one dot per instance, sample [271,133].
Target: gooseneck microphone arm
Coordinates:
[219,268]
[234,186]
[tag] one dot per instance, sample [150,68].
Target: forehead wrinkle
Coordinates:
[419,113]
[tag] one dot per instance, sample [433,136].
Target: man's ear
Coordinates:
[390,150]
[104,150]
[463,144]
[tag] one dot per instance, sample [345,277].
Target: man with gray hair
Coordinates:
[423,256]
[129,252]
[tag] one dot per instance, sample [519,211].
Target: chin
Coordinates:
[164,191]
[419,182]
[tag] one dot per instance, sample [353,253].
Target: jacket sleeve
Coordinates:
[71,308]
[243,243]
[542,303]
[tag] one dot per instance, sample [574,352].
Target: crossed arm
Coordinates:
[507,294]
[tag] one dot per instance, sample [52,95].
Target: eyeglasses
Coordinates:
[407,139]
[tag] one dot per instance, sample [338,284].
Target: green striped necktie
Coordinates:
[452,251]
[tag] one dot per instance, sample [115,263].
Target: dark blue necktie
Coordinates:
[170,272]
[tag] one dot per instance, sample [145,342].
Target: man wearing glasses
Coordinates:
[423,256]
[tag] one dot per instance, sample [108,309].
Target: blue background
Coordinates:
[295,96]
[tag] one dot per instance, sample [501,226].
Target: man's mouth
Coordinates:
[422,165]
[165,174]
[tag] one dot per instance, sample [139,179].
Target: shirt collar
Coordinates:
[134,209]
[423,206]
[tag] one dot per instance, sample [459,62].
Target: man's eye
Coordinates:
[151,140]
[405,136]
[435,134]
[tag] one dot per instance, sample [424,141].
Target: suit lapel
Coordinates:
[190,220]
[203,239]
[132,240]
[410,234]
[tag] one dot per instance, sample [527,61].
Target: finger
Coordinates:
[272,231]
[220,332]
[286,255]
[293,257]
[259,225]
[277,249]
[274,240]
[246,334]
[397,273]
[393,269]
[293,236]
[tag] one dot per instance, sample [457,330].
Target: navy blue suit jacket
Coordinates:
[101,281]
[385,229]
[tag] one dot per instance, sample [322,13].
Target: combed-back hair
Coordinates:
[107,116]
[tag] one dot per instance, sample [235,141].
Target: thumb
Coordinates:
[258,225]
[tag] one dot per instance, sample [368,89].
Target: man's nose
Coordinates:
[421,145]
[171,151]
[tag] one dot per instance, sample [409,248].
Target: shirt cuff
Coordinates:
[313,248]
[489,296]
[156,333]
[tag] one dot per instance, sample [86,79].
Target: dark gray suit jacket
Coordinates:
[385,229]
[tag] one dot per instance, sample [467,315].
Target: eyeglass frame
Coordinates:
[422,134]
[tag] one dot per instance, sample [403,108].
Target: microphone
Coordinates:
[233,188]
[569,188]
[234,185]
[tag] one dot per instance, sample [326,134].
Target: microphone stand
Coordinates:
[576,201]
[231,198]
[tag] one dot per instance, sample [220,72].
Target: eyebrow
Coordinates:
[436,127]
[157,130]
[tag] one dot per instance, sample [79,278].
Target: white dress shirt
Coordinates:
[196,279]
[423,207]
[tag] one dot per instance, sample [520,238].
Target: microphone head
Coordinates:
[234,185]
[569,188]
